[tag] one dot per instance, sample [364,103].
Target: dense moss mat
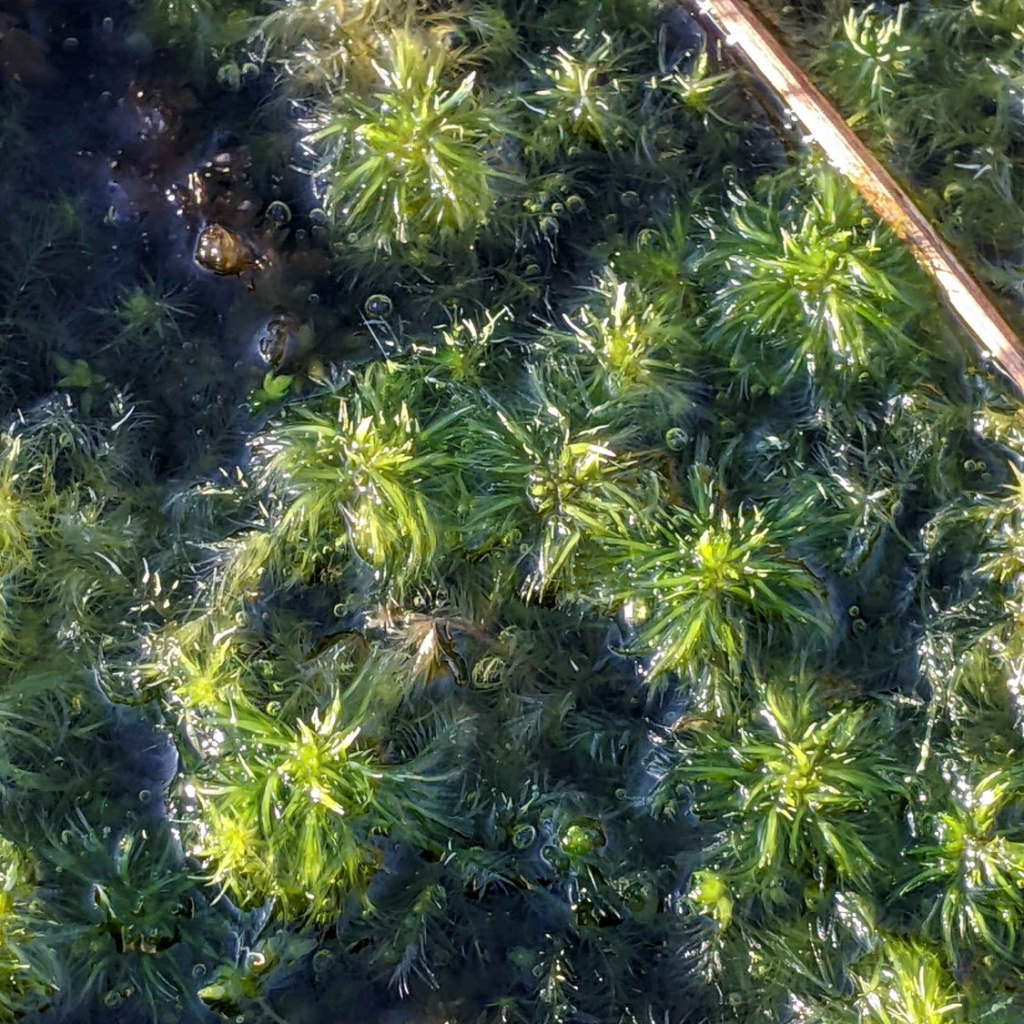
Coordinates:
[491,532]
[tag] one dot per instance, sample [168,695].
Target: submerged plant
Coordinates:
[633,354]
[813,282]
[569,661]
[701,580]
[148,314]
[18,524]
[321,44]
[411,166]
[199,25]
[903,982]
[123,910]
[28,973]
[545,489]
[583,101]
[868,66]
[288,810]
[358,470]
[805,792]
[972,863]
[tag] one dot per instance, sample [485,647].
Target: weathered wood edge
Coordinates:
[741,29]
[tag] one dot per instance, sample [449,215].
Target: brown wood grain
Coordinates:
[743,31]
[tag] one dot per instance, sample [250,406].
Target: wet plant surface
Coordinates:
[490,531]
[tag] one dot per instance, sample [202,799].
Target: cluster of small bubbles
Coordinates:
[378,307]
[279,212]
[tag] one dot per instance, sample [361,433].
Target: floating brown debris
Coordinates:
[223,252]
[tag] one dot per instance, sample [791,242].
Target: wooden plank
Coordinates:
[742,30]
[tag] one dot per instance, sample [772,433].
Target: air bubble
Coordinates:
[323,960]
[378,307]
[549,226]
[279,212]
[676,438]
[630,200]
[229,76]
[113,998]
[145,795]
[523,836]
[582,837]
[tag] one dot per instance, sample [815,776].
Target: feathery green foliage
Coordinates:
[28,973]
[357,470]
[547,489]
[410,166]
[606,608]
[971,850]
[288,810]
[810,283]
[582,102]
[704,582]
[805,792]
[121,910]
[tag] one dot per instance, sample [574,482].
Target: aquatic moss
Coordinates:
[615,616]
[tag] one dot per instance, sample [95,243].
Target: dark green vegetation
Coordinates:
[576,582]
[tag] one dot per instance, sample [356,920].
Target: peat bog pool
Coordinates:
[493,531]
